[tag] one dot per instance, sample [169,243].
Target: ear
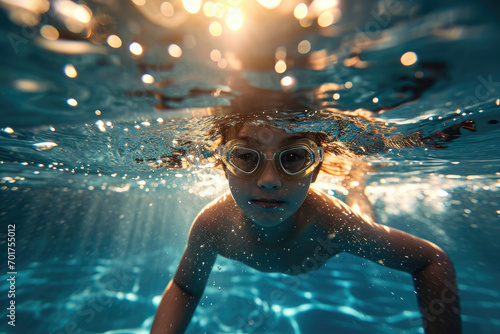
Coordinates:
[316,172]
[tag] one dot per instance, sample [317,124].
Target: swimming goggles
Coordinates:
[292,160]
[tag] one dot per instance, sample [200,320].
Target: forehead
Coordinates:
[266,135]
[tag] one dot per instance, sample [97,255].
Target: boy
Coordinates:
[272,221]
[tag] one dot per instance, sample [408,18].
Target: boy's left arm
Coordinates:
[433,274]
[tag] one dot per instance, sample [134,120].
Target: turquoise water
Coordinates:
[101,220]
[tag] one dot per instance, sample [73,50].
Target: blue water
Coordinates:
[100,223]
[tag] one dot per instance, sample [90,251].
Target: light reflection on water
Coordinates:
[96,94]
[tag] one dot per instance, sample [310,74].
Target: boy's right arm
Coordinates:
[184,291]
[175,310]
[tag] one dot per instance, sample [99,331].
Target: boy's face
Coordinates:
[268,199]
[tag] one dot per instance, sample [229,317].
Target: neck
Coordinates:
[285,230]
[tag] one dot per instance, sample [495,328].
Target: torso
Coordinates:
[304,250]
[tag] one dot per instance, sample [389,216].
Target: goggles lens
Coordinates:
[294,161]
[245,159]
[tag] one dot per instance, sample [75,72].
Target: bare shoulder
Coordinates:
[327,200]
[336,215]
[341,222]
[213,218]
[330,211]
[216,211]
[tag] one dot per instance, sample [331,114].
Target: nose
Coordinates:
[269,179]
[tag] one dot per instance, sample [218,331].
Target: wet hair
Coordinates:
[347,137]
[338,157]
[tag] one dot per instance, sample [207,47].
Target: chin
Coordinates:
[268,221]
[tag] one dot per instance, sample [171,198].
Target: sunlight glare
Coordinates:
[83,14]
[300,11]
[72,102]
[29,86]
[320,5]
[304,47]
[287,81]
[167,9]
[215,29]
[280,66]
[219,10]
[222,63]
[409,58]
[191,6]
[234,18]
[114,41]
[215,55]
[280,53]
[329,17]
[209,9]
[174,50]
[49,32]
[73,10]
[70,71]
[269,4]
[135,48]
[148,79]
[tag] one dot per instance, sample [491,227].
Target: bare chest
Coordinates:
[300,255]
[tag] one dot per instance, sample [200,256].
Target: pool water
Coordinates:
[97,97]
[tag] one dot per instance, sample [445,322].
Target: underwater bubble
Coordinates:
[114,41]
[44,146]
[72,102]
[70,71]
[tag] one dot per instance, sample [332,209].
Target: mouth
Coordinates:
[267,203]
